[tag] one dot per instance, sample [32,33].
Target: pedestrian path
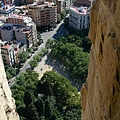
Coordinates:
[47,68]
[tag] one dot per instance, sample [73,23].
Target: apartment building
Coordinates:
[79,17]
[43,14]
[18,47]
[6,10]
[61,4]
[1,23]
[19,28]
[68,4]
[7,52]
[16,20]
[7,32]
[24,21]
[23,35]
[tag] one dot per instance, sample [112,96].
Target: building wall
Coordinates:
[7,103]
[21,37]
[15,21]
[68,3]
[6,35]
[43,16]
[58,6]
[8,55]
[34,34]
[8,11]
[78,21]
[29,1]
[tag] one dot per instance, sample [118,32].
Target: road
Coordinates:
[58,31]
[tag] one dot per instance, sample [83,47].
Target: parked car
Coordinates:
[51,29]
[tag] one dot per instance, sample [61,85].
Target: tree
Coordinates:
[33,63]
[40,106]
[9,76]
[59,18]
[34,104]
[72,57]
[48,91]
[31,112]
[10,72]
[23,56]
[29,98]
[49,43]
[63,14]
[48,110]
[29,50]
[53,117]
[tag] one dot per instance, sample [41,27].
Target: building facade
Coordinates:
[24,35]
[6,10]
[7,52]
[79,18]
[43,14]
[61,4]
[21,29]
[7,32]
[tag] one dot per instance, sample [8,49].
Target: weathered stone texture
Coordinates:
[101,92]
[7,103]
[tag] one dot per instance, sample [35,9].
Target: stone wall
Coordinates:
[7,103]
[101,93]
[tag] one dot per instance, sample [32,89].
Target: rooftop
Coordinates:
[6,8]
[7,46]
[24,18]
[43,5]
[17,16]
[80,10]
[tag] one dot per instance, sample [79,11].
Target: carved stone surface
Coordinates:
[101,93]
[7,103]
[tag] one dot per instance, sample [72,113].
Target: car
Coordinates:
[51,29]
[41,38]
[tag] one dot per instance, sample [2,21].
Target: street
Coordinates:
[58,31]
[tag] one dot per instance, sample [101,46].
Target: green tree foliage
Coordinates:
[29,50]
[28,98]
[73,58]
[33,63]
[59,18]
[31,112]
[49,43]
[61,100]
[23,56]
[65,97]
[36,59]
[63,14]
[40,106]
[53,117]
[82,42]
[10,72]
[48,109]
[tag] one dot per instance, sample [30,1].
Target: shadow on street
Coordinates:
[59,32]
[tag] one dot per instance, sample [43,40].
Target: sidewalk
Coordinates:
[47,68]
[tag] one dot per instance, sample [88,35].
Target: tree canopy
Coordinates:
[73,58]
[51,98]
